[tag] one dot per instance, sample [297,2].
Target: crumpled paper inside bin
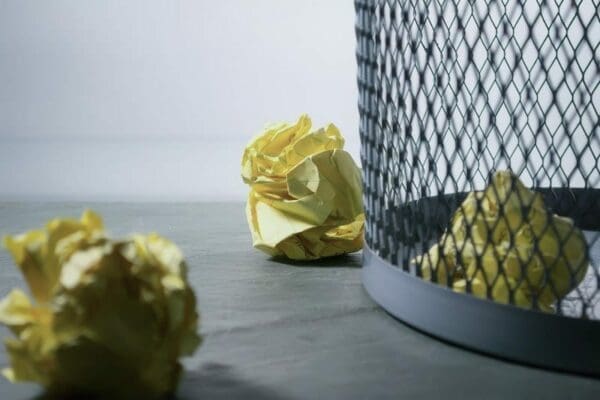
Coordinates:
[503,242]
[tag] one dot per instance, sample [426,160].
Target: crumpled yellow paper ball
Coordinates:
[503,242]
[109,318]
[305,198]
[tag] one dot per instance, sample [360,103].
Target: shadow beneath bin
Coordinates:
[212,381]
[344,261]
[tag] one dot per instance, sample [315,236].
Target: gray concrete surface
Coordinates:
[278,331]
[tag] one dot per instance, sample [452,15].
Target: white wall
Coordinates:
[155,100]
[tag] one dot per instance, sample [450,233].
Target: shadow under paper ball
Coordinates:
[211,381]
[218,381]
[353,260]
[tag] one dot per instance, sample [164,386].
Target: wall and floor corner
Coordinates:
[155,100]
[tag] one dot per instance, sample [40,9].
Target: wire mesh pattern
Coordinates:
[452,92]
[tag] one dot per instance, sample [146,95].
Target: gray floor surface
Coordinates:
[276,330]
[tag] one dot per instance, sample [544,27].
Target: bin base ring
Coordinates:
[509,332]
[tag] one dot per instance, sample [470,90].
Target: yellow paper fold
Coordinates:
[110,318]
[503,242]
[305,199]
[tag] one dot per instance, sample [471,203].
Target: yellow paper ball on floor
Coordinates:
[109,318]
[305,199]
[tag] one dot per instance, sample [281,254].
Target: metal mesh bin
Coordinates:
[480,132]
